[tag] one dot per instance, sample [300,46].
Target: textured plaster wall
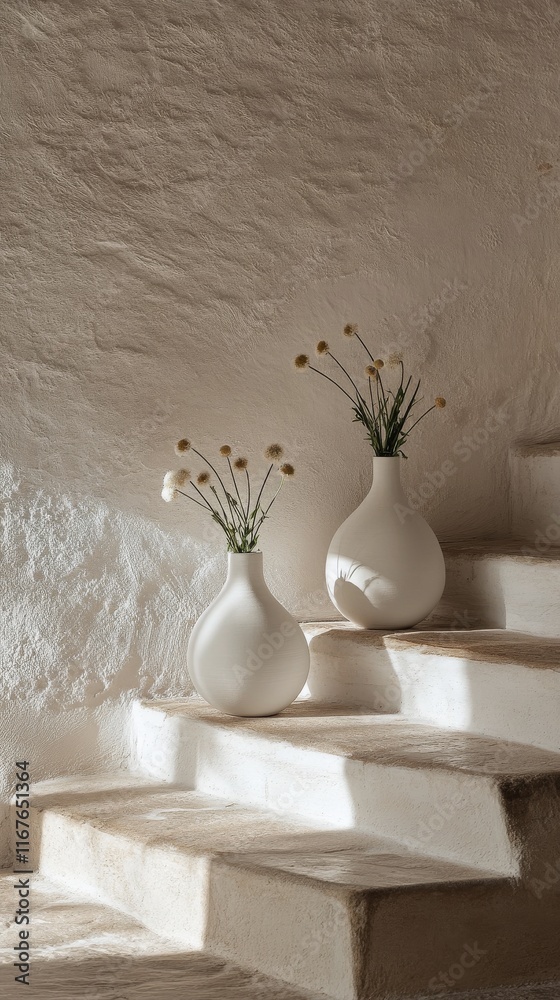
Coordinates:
[192,193]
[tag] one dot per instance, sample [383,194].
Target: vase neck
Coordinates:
[387,477]
[246,566]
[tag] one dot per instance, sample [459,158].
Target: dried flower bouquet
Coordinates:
[232,508]
[383,411]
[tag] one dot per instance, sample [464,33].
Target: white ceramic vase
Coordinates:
[247,656]
[385,567]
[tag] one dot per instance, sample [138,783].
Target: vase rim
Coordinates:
[386,458]
[256,552]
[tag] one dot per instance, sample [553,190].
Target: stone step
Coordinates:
[83,949]
[348,916]
[535,494]
[456,795]
[490,681]
[503,583]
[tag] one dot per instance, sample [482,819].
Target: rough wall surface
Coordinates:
[193,193]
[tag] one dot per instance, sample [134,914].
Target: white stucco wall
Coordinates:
[193,193]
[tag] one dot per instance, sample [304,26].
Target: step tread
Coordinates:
[78,942]
[195,823]
[488,645]
[548,449]
[387,740]
[500,548]
[495,645]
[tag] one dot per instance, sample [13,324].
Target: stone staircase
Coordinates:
[396,834]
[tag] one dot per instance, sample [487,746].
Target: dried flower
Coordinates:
[172,480]
[386,414]
[274,452]
[234,501]
[182,446]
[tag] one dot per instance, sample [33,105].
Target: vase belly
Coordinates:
[385,567]
[247,655]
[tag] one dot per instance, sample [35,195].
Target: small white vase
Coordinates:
[385,566]
[247,656]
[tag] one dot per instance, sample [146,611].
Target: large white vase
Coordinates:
[385,566]
[247,656]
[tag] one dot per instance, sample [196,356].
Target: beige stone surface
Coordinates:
[493,682]
[489,802]
[351,915]
[82,949]
[385,740]
[501,548]
[535,511]
[502,583]
[485,645]
[194,823]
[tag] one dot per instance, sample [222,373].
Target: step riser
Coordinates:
[164,892]
[501,592]
[350,945]
[259,921]
[438,812]
[535,497]
[506,701]
[461,941]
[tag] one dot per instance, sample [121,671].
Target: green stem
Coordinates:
[408,430]
[329,379]
[248,493]
[221,482]
[188,496]
[366,348]
[348,376]
[263,486]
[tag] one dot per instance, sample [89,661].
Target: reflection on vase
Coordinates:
[385,566]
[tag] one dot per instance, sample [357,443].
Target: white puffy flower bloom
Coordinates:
[175,479]
[169,493]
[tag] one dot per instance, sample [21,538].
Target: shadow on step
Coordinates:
[188,976]
[380,943]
